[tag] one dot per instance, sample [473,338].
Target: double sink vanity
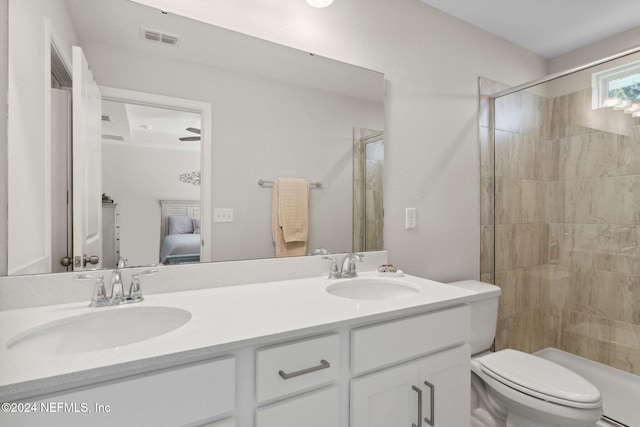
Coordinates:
[373,350]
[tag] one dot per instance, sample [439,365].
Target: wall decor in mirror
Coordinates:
[111,102]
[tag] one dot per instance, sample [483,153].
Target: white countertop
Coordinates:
[223,319]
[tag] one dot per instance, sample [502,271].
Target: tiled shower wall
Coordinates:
[566,224]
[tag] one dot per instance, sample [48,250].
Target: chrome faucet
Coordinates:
[100,298]
[349,264]
[348,268]
[117,288]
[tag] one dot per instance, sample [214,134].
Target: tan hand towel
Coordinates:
[290,216]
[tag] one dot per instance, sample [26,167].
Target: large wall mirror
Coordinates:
[127,125]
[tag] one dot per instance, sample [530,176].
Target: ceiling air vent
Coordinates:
[159,37]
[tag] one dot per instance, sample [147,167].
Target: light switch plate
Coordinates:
[410,218]
[222,214]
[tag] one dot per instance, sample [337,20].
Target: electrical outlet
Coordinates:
[223,215]
[410,218]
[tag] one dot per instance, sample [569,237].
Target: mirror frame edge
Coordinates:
[4,136]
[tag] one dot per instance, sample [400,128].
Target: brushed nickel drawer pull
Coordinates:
[323,365]
[432,388]
[417,389]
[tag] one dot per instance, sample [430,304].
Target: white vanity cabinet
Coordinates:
[230,422]
[433,389]
[382,372]
[187,395]
[430,391]
[294,369]
[315,409]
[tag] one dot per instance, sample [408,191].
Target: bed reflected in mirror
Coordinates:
[150,215]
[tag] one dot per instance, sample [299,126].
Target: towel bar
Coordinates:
[262,183]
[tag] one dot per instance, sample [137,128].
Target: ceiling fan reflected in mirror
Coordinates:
[191,138]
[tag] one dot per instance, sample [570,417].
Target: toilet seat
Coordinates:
[540,378]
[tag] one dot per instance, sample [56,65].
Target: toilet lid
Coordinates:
[540,378]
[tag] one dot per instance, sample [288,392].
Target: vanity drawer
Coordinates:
[392,342]
[185,395]
[315,409]
[294,367]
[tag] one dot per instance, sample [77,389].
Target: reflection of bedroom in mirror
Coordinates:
[150,215]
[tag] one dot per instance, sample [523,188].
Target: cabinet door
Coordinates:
[229,422]
[386,399]
[445,381]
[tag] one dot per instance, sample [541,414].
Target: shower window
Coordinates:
[622,83]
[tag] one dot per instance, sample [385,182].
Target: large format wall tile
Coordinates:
[554,201]
[520,246]
[486,248]
[528,331]
[594,201]
[593,155]
[485,136]
[535,116]
[567,234]
[629,154]
[629,187]
[522,289]
[519,201]
[569,115]
[607,341]
[586,246]
[514,155]
[520,156]
[486,200]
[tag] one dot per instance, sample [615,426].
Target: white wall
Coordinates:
[137,189]
[428,58]
[262,129]
[583,79]
[593,52]
[431,63]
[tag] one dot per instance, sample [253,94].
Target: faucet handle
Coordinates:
[100,297]
[334,271]
[349,264]
[135,291]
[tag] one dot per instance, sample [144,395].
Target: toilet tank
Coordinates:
[484,313]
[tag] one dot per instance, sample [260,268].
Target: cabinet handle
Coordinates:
[419,405]
[323,365]
[432,392]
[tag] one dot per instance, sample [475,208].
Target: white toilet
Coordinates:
[515,389]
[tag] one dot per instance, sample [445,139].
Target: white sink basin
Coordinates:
[373,289]
[105,328]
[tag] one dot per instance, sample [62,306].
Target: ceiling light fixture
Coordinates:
[319,3]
